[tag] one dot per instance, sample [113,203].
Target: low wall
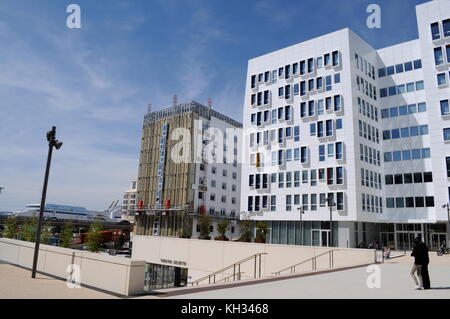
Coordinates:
[203,257]
[118,275]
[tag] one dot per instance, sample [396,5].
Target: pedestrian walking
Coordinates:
[418,263]
[424,271]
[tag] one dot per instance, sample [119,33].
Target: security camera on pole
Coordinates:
[52,142]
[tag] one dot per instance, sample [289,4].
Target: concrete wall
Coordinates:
[203,257]
[118,275]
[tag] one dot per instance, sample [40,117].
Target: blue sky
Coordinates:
[94,83]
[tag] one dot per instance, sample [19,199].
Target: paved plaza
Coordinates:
[395,282]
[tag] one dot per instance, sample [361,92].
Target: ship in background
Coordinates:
[66,212]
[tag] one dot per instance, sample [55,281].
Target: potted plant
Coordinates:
[222,228]
[246,226]
[204,224]
[262,229]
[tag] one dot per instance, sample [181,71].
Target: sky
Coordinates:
[94,83]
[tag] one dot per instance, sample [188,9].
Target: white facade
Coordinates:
[129,198]
[217,179]
[346,146]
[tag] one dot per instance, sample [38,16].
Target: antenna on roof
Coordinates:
[149,108]
[175,99]
[210,103]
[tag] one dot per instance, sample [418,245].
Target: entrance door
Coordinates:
[325,238]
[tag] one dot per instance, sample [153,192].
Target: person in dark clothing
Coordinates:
[424,271]
[417,266]
[421,261]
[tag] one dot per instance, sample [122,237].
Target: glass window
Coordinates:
[435,32]
[320,109]
[312,129]
[399,202]
[409,202]
[429,201]
[404,131]
[415,154]
[426,153]
[387,156]
[410,87]
[408,66]
[389,180]
[390,70]
[446,134]
[399,68]
[419,201]
[386,135]
[406,155]
[319,62]
[398,179]
[338,124]
[407,178]
[427,177]
[417,64]
[423,129]
[422,107]
[441,79]
[390,202]
[445,110]
[381,72]
[419,85]
[438,57]
[412,108]
[384,113]
[393,112]
[446,28]
[414,131]
[447,48]
[395,133]
[397,156]
[392,90]
[335,55]
[337,78]
[403,110]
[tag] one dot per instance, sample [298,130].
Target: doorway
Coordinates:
[321,237]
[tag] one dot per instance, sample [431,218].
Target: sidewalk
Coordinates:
[16,283]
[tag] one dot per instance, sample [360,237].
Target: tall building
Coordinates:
[188,166]
[332,123]
[129,198]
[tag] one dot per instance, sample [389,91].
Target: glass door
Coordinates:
[325,238]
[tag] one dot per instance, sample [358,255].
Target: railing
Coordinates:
[235,266]
[227,279]
[313,260]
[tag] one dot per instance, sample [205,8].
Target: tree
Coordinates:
[262,229]
[29,229]
[94,237]
[11,228]
[67,234]
[204,224]
[46,232]
[222,228]
[246,227]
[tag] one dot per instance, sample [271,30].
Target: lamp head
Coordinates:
[58,144]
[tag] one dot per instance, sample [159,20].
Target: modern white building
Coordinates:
[334,118]
[129,198]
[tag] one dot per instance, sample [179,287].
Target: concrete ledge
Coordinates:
[116,275]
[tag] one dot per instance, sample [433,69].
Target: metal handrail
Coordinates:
[236,264]
[226,279]
[312,259]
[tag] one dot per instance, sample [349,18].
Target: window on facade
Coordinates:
[435,32]
[446,134]
[445,110]
[438,56]
[446,28]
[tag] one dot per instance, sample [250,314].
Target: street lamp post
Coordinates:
[331,203]
[448,221]
[52,142]
[301,211]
